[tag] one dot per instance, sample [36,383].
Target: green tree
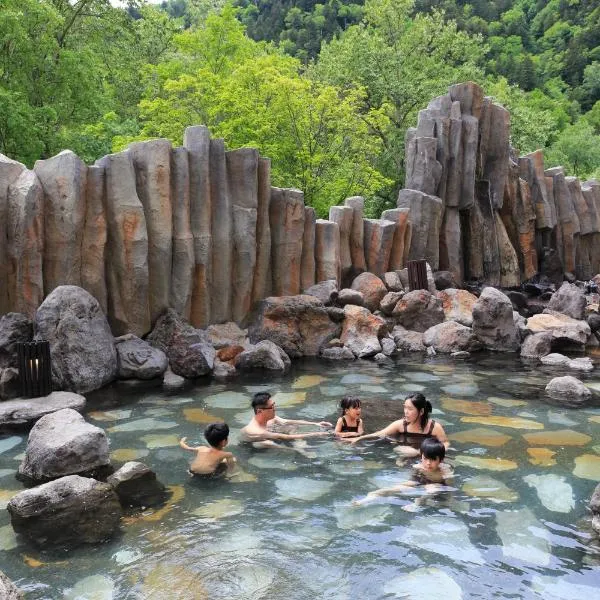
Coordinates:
[577,149]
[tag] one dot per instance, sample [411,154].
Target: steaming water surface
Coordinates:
[515,524]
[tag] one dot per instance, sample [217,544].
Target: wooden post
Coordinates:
[35,369]
[417,275]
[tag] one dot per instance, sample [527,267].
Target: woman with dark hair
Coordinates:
[414,427]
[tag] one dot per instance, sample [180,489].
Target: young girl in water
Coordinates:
[349,424]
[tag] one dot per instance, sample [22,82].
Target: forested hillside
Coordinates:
[326,89]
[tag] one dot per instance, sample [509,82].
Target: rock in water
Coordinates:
[423,584]
[553,491]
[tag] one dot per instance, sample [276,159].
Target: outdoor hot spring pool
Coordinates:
[515,526]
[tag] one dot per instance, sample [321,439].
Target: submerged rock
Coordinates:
[484,486]
[423,584]
[96,587]
[302,488]
[553,491]
[587,466]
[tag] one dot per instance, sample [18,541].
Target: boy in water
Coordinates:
[213,460]
[430,472]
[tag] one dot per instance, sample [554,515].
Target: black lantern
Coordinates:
[35,369]
[417,275]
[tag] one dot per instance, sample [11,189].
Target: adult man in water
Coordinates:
[262,429]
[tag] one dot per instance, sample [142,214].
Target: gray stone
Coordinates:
[8,590]
[372,289]
[568,300]
[223,370]
[460,354]
[583,363]
[393,282]
[335,313]
[81,343]
[423,171]
[226,334]
[449,337]
[595,501]
[378,239]
[63,443]
[388,346]
[349,296]
[69,511]
[325,291]
[361,331]
[264,355]
[408,341]
[383,359]
[172,382]
[357,248]
[555,360]
[418,311]
[344,217]
[308,267]
[136,485]
[568,390]
[444,280]
[402,235]
[14,328]
[493,321]
[10,383]
[261,285]
[389,302]
[137,359]
[327,251]
[336,353]
[23,413]
[537,345]
[189,350]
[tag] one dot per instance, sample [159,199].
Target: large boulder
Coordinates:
[451,337]
[361,331]
[10,383]
[418,311]
[568,390]
[408,341]
[565,330]
[537,345]
[300,325]
[325,291]
[595,508]
[389,301]
[568,300]
[493,321]
[81,343]
[337,353]
[137,359]
[189,350]
[264,355]
[136,485]
[14,328]
[71,510]
[63,443]
[458,305]
[372,289]
[22,413]
[8,590]
[349,296]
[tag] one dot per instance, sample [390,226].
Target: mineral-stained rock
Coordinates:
[451,337]
[418,310]
[81,343]
[372,289]
[22,414]
[189,350]
[458,305]
[63,178]
[137,359]
[531,170]
[357,249]
[63,443]
[408,341]
[379,237]
[564,329]
[327,251]
[264,355]
[14,328]
[298,324]
[182,276]
[242,180]
[71,510]
[197,142]
[286,217]
[361,331]
[9,172]
[568,390]
[226,334]
[493,321]
[426,219]
[136,485]
[25,243]
[222,235]
[568,300]
[307,262]
[126,248]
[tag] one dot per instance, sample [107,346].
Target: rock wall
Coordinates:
[201,230]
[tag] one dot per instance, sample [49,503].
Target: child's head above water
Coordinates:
[349,402]
[432,454]
[216,434]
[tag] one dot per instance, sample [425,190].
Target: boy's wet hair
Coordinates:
[259,400]
[432,448]
[349,402]
[215,433]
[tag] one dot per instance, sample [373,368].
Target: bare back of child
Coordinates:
[211,460]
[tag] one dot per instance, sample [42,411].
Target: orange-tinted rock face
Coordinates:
[229,353]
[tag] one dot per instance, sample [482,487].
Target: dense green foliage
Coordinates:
[325,89]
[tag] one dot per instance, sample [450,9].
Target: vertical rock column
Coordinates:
[242,179]
[63,178]
[286,218]
[182,270]
[586,229]
[25,244]
[379,238]
[9,172]
[261,284]
[327,251]
[399,216]
[93,245]
[222,230]
[357,248]
[152,164]
[197,142]
[126,249]
[591,193]
[308,267]
[531,169]
[344,216]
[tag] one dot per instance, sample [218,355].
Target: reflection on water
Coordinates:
[515,524]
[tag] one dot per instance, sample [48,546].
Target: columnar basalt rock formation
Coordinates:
[200,230]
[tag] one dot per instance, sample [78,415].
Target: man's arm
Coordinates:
[271,435]
[282,421]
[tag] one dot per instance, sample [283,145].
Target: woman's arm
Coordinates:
[391,429]
[440,434]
